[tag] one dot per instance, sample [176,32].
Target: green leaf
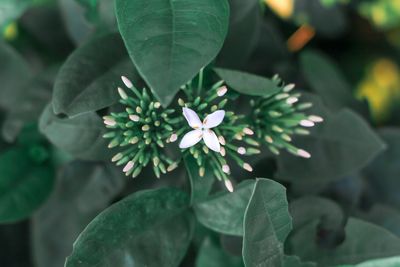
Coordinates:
[13,76]
[200,186]
[89,78]
[382,173]
[245,28]
[24,184]
[383,216]
[267,223]
[76,24]
[387,262]
[82,191]
[224,211]
[363,241]
[37,93]
[148,228]
[306,209]
[344,143]
[325,78]
[247,83]
[81,136]
[212,255]
[294,261]
[170,41]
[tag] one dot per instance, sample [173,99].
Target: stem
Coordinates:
[200,84]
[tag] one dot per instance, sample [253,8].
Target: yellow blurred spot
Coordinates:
[386,73]
[384,14]
[300,38]
[283,8]
[378,15]
[396,5]
[10,32]
[381,88]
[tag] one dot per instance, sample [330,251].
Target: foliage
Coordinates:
[195,100]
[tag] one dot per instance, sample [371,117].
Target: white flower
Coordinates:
[202,130]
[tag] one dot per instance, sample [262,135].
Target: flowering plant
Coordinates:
[175,133]
[144,128]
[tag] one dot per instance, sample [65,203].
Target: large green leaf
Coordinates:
[325,78]
[384,216]
[200,186]
[81,136]
[245,28]
[170,41]
[267,223]
[37,93]
[247,83]
[387,262]
[76,24]
[14,74]
[294,261]
[89,78]
[224,211]
[309,208]
[343,144]
[383,172]
[25,183]
[212,255]
[82,191]
[148,228]
[363,241]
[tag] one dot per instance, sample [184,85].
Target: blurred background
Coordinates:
[324,46]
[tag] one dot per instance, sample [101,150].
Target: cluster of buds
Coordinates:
[276,118]
[221,138]
[141,131]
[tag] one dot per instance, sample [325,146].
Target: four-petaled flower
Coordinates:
[202,130]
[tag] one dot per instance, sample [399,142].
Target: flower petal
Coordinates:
[211,140]
[214,119]
[192,118]
[191,138]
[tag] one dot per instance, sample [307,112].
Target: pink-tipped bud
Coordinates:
[222,90]
[221,140]
[241,150]
[128,166]
[110,121]
[304,154]
[134,117]
[292,100]
[247,167]
[127,82]
[173,138]
[226,169]
[248,131]
[307,123]
[229,186]
[315,118]
[222,151]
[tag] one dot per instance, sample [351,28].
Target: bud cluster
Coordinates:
[142,131]
[276,118]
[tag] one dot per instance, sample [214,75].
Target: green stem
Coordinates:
[200,84]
